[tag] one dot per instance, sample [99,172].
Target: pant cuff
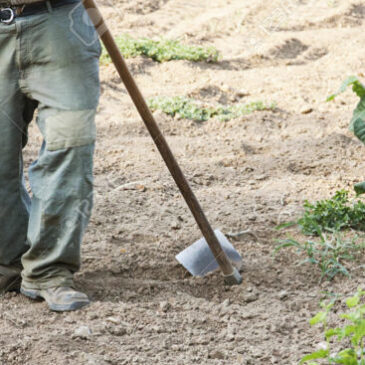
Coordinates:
[46,284]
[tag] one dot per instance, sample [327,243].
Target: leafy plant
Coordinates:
[357,124]
[330,252]
[333,214]
[359,89]
[161,50]
[186,108]
[351,331]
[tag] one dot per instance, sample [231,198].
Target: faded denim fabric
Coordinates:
[46,64]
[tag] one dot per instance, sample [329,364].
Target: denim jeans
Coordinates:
[49,63]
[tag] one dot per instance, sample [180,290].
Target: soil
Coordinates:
[250,174]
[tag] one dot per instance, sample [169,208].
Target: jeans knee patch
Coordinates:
[74,128]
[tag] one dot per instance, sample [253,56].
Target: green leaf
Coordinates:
[353,317]
[357,124]
[359,129]
[328,306]
[287,243]
[346,332]
[320,317]
[285,225]
[353,301]
[346,357]
[357,87]
[332,332]
[359,113]
[359,188]
[359,332]
[320,354]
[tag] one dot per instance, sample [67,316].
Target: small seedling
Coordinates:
[350,334]
[161,50]
[186,108]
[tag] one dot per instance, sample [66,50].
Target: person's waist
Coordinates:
[30,7]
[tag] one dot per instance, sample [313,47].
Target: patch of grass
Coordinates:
[186,108]
[162,50]
[331,253]
[349,334]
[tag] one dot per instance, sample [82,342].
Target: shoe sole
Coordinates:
[35,295]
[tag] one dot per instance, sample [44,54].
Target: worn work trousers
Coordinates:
[49,63]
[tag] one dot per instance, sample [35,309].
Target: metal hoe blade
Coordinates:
[199,260]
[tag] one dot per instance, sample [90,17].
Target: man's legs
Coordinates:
[15,112]
[61,73]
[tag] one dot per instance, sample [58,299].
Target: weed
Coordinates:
[351,331]
[333,214]
[330,252]
[161,50]
[186,108]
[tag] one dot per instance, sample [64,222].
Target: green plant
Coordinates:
[329,252]
[333,214]
[357,124]
[161,50]
[350,334]
[186,108]
[359,89]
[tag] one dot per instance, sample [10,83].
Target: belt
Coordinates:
[8,13]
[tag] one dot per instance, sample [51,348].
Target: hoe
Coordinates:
[212,251]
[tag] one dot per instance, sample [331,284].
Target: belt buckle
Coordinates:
[12,16]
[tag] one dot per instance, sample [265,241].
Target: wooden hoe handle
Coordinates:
[230,273]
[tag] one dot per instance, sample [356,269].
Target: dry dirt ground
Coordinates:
[250,174]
